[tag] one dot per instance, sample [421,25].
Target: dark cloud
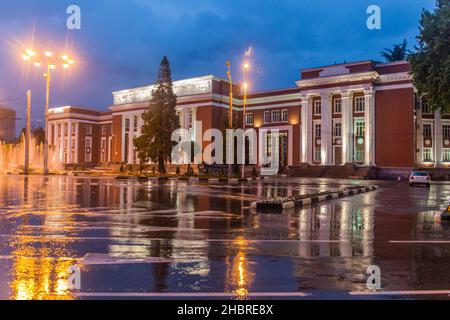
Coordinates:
[122,41]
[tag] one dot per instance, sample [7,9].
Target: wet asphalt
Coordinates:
[160,240]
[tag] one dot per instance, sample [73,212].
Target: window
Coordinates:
[88,150]
[427,155]
[317,107]
[59,129]
[276,116]
[427,130]
[337,129]
[74,128]
[337,106]
[190,119]
[284,115]
[135,124]
[426,106]
[88,129]
[249,118]
[127,125]
[359,128]
[317,130]
[446,131]
[446,154]
[104,129]
[359,104]
[317,155]
[266,116]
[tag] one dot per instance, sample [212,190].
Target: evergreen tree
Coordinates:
[431,61]
[160,120]
[398,53]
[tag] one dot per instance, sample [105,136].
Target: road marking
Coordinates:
[403,293]
[420,241]
[189,294]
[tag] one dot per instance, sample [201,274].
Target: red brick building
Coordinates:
[362,113]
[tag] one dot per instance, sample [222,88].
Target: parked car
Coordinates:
[419,177]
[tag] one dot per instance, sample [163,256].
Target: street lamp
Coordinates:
[246,67]
[52,62]
[230,119]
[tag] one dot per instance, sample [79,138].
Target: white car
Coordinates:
[419,177]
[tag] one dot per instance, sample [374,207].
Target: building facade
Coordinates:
[362,113]
[7,124]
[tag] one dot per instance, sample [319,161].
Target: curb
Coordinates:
[267,205]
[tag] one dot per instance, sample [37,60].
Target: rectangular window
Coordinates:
[317,130]
[317,154]
[427,155]
[337,106]
[135,124]
[317,107]
[359,129]
[127,125]
[337,129]
[88,129]
[74,128]
[104,129]
[276,116]
[284,115]
[359,104]
[88,150]
[446,154]
[266,116]
[426,106]
[427,130]
[249,118]
[59,129]
[446,131]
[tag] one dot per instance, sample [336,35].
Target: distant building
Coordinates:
[7,124]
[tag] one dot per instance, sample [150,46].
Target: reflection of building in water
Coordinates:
[344,231]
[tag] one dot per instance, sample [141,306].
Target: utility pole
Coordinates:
[28,135]
[47,97]
[244,120]
[230,118]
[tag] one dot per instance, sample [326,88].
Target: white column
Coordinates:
[69,142]
[130,141]
[419,136]
[437,138]
[306,118]
[369,106]
[347,127]
[77,146]
[326,134]
[63,141]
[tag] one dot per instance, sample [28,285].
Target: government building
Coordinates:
[360,115]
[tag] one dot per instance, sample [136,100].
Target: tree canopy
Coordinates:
[160,120]
[398,52]
[431,61]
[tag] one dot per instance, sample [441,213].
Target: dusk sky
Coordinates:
[121,42]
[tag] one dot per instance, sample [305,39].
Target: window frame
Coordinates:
[317,107]
[335,104]
[249,115]
[284,115]
[360,104]
[267,115]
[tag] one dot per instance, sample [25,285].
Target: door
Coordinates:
[337,155]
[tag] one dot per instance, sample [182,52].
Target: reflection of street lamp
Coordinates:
[246,66]
[67,61]
[230,119]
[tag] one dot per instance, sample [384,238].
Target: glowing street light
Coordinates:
[67,61]
[246,67]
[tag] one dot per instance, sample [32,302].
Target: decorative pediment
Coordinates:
[334,71]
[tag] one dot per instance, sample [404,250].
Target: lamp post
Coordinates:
[48,58]
[230,118]
[246,66]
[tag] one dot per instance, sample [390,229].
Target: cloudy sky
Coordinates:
[121,42]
